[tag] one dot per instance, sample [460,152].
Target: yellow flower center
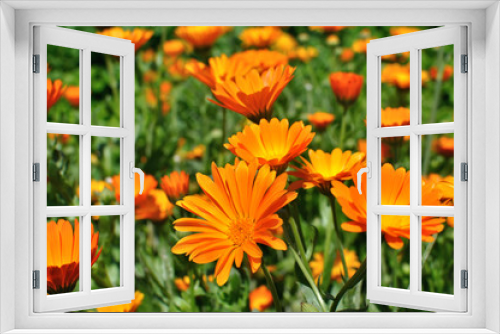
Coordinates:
[241,230]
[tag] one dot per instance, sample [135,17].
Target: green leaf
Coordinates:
[305,307]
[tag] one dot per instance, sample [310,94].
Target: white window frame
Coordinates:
[414,43]
[484,103]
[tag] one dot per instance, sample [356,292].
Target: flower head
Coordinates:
[304,54]
[395,191]
[395,116]
[359,46]
[54,91]
[239,214]
[260,37]
[397,75]
[261,60]
[346,55]
[444,146]
[318,265]
[63,255]
[201,37]
[138,36]
[325,168]
[285,43]
[254,94]
[260,299]
[447,72]
[346,86]
[196,153]
[320,119]
[274,142]
[174,48]
[72,94]
[130,307]
[175,185]
[394,31]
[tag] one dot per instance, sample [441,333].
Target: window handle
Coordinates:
[368,171]
[134,170]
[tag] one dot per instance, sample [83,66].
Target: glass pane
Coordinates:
[437,170]
[437,254]
[105,171]
[395,89]
[63,171]
[63,81]
[395,171]
[437,84]
[395,251]
[105,86]
[105,252]
[63,255]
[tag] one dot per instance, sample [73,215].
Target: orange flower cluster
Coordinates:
[444,146]
[260,299]
[346,86]
[395,116]
[394,31]
[54,91]
[318,265]
[320,120]
[175,47]
[175,185]
[63,255]
[260,37]
[447,72]
[138,36]
[201,37]
[237,215]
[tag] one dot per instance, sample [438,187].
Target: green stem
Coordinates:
[298,239]
[310,280]
[272,287]
[340,247]
[342,126]
[360,273]
[328,260]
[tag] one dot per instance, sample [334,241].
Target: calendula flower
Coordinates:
[260,37]
[196,153]
[138,36]
[325,168]
[320,120]
[261,60]
[359,46]
[346,55]
[64,138]
[346,86]
[183,283]
[327,28]
[304,54]
[130,307]
[151,98]
[201,37]
[72,94]
[394,31]
[148,55]
[178,67]
[397,75]
[219,70]
[54,91]
[260,299]
[395,191]
[150,76]
[447,72]
[395,116]
[240,213]
[444,146]
[254,94]
[272,143]
[285,43]
[332,40]
[318,265]
[175,47]
[175,185]
[445,188]
[63,255]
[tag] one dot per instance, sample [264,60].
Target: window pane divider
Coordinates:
[81,130]
[405,210]
[422,129]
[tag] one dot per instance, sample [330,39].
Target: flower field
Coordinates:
[250,138]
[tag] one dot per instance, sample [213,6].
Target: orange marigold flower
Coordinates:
[54,91]
[444,146]
[219,70]
[324,168]
[148,55]
[63,255]
[254,94]
[399,75]
[318,265]
[72,94]
[130,307]
[175,185]
[260,299]
[196,153]
[201,36]
[150,76]
[332,40]
[233,222]
[395,191]
[260,60]
[327,28]
[178,67]
[320,119]
[63,137]
[346,55]
[271,142]
[175,47]
[304,54]
[285,43]
[402,30]
[138,36]
[260,37]
[183,283]
[150,95]
[447,72]
[346,86]
[395,116]
[359,46]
